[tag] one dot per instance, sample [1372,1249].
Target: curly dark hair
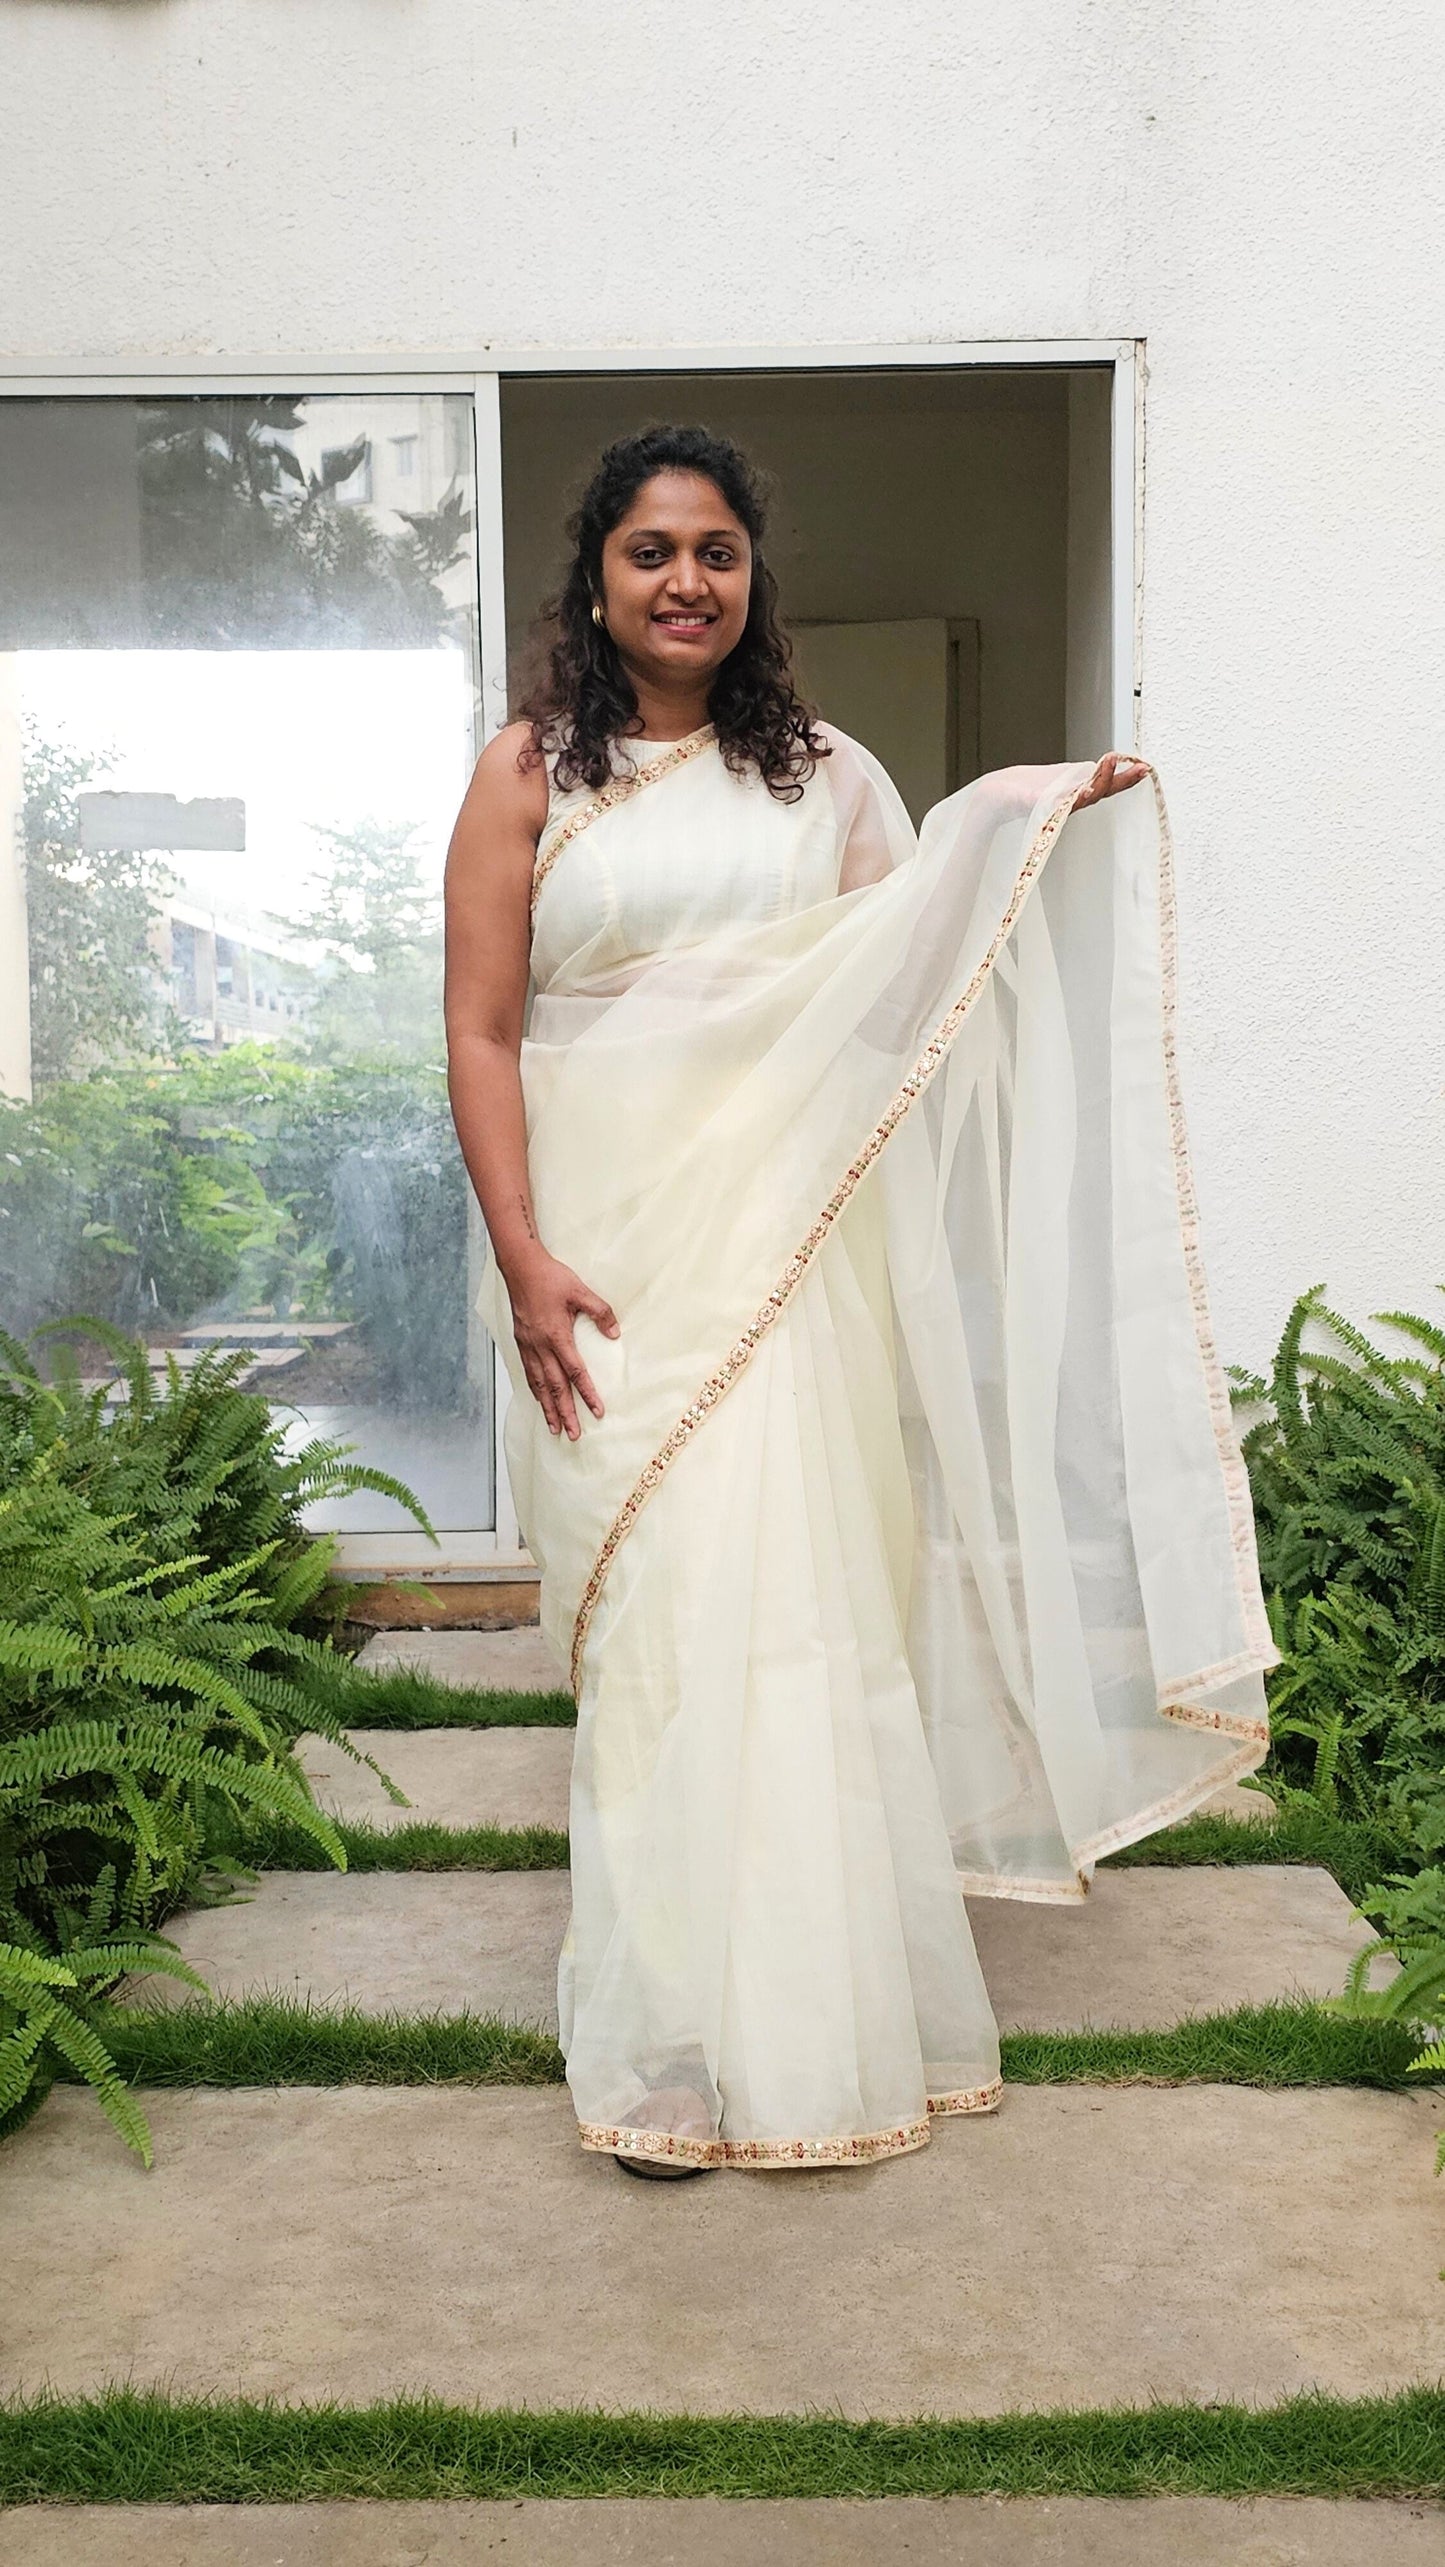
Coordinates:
[576,693]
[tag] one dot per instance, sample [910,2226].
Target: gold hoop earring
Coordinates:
[597,612]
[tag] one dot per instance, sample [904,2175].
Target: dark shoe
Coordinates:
[655,2171]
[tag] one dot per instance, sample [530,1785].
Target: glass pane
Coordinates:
[238,686]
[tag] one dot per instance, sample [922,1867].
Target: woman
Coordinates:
[866,1425]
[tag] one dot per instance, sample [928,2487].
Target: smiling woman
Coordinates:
[889,1512]
[668,618]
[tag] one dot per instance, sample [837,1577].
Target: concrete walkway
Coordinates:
[1083,2246]
[498,1777]
[1144,1949]
[1080,2246]
[516,1660]
[983,2531]
[456,1777]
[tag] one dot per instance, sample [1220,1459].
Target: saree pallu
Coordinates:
[913,1556]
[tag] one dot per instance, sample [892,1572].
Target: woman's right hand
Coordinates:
[547,1298]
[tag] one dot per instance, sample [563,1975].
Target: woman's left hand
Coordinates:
[1113,774]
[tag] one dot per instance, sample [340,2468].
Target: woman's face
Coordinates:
[676,573]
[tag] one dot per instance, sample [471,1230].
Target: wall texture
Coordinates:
[1256,195]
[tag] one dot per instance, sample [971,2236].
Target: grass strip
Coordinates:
[1251,2045]
[408,1698]
[277,2041]
[1357,1853]
[423,1845]
[130,2446]
[283,2041]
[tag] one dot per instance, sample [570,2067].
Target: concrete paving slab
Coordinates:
[456,1777]
[416,1942]
[1151,1945]
[984,2531]
[1078,2246]
[503,1777]
[511,1661]
[1145,1948]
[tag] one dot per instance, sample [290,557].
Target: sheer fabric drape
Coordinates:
[913,1555]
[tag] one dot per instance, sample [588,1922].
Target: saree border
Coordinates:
[1262,1651]
[863,2148]
[621,789]
[1040,1891]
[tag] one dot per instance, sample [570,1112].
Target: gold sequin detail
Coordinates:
[924,1070]
[621,789]
[863,2149]
[1261,1651]
[968,2099]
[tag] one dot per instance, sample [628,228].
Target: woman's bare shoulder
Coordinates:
[509,780]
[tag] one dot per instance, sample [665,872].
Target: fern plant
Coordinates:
[200,1462]
[1347,1468]
[159,1604]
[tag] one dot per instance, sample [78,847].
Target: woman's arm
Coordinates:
[488,942]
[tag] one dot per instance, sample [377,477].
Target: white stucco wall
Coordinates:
[1256,195]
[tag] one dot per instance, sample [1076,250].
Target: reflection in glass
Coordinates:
[237,693]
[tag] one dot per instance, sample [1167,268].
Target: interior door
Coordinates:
[908,690]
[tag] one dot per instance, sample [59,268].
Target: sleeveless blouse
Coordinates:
[692,859]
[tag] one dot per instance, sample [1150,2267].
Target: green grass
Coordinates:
[280,2041]
[1252,2045]
[131,2446]
[275,2041]
[1357,1854]
[406,1698]
[422,1846]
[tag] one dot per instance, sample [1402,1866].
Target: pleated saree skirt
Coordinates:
[770,1962]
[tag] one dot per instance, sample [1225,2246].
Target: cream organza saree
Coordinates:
[913,1555]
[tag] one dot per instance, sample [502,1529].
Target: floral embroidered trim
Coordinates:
[1142,1822]
[924,1070]
[1230,1724]
[1188,1797]
[968,2099]
[1020,1886]
[862,2149]
[621,789]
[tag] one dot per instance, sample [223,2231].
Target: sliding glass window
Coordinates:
[238,707]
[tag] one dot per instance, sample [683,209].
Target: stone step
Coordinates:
[518,1660]
[1144,1949]
[1082,2246]
[715,2531]
[454,1777]
[514,1660]
[504,1777]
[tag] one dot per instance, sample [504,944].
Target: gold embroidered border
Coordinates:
[1178,1805]
[1262,1652]
[1230,1724]
[968,2099]
[925,1068]
[1126,1831]
[621,789]
[862,2149]
[1027,1891]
